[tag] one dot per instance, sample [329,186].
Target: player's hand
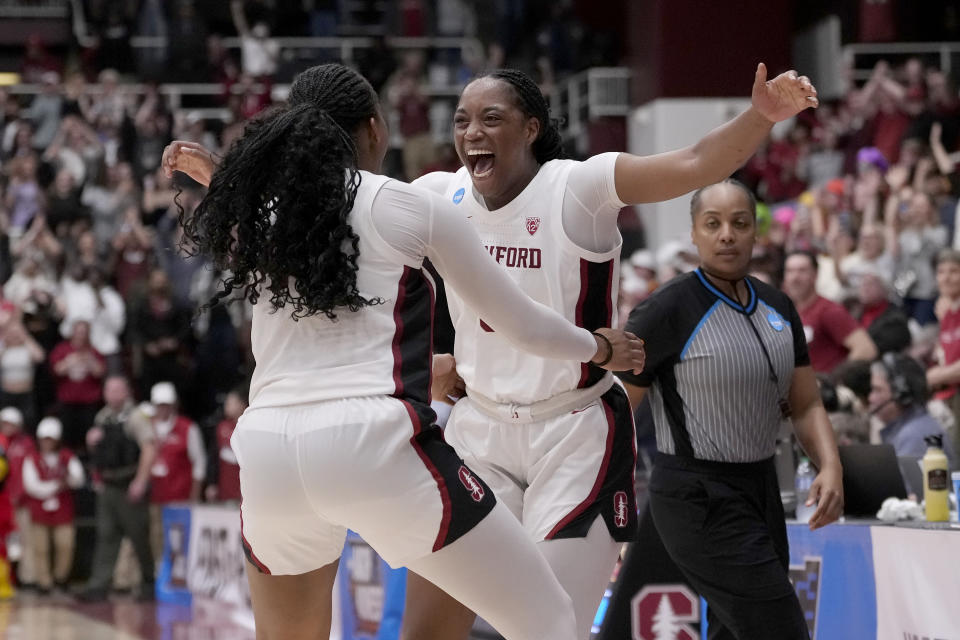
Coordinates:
[783,97]
[189,158]
[628,352]
[827,492]
[447,386]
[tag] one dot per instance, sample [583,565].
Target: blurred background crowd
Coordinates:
[856,222]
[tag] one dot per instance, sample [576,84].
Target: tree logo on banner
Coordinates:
[806,580]
[663,612]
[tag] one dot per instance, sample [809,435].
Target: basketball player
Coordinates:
[555,440]
[339,432]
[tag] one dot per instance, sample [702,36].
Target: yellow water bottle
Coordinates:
[935,482]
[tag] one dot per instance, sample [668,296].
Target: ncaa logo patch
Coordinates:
[458,196]
[806,581]
[532,225]
[620,505]
[775,321]
[471,484]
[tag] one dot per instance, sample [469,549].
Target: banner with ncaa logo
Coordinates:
[216,564]
[918,583]
[371,593]
[832,571]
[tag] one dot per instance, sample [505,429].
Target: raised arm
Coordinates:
[239,18]
[722,151]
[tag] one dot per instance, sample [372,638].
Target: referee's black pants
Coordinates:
[723,525]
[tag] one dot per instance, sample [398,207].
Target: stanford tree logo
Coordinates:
[663,612]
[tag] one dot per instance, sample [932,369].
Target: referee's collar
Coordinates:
[751,303]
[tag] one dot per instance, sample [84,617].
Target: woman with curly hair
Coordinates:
[339,432]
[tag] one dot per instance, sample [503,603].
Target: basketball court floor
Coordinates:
[30,617]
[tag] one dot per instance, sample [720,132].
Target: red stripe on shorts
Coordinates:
[441,483]
[246,547]
[580,508]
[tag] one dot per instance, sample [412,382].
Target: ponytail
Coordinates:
[276,212]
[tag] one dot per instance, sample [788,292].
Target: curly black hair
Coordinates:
[275,216]
[531,101]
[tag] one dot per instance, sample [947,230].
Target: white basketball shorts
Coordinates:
[376,465]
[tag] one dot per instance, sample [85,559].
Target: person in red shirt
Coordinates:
[178,470]
[884,321]
[18,446]
[945,377]
[832,334]
[79,371]
[224,473]
[50,474]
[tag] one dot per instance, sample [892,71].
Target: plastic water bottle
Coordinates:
[804,480]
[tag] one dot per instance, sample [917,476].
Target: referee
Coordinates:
[726,363]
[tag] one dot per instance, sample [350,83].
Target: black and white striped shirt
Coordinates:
[710,385]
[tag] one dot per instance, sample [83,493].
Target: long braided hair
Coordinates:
[531,101]
[275,215]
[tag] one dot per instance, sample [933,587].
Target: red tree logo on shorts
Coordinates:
[532,225]
[471,484]
[664,611]
[620,504]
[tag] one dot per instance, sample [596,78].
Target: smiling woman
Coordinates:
[503,132]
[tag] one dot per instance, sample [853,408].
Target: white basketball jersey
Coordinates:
[526,238]
[382,349]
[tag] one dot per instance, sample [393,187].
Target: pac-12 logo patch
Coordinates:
[532,225]
[775,321]
[458,196]
[620,506]
[471,484]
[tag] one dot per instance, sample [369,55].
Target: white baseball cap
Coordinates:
[49,428]
[11,414]
[163,393]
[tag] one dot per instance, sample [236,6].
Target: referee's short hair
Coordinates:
[751,199]
[810,255]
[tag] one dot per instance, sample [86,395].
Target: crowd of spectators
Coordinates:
[857,224]
[100,340]
[860,205]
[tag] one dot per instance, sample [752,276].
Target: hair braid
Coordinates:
[531,101]
[276,213]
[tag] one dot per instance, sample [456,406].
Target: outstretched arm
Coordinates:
[417,224]
[722,151]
